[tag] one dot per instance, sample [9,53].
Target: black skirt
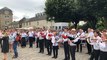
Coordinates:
[5,45]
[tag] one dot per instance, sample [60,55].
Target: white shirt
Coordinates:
[74,41]
[31,34]
[47,37]
[23,34]
[1,34]
[54,40]
[82,36]
[103,46]
[90,34]
[36,34]
[14,34]
[66,34]
[96,43]
[40,36]
[11,38]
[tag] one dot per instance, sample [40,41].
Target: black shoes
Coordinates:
[54,57]
[48,54]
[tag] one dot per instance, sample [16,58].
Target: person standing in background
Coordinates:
[49,43]
[37,42]
[89,36]
[5,44]
[95,43]
[31,38]
[64,36]
[103,46]
[81,40]
[73,39]
[23,39]
[55,39]
[41,41]
[15,44]
[11,40]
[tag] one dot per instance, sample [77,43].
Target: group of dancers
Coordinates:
[71,39]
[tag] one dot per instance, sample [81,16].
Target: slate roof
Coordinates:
[2,11]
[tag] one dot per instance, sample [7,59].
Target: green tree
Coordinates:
[62,11]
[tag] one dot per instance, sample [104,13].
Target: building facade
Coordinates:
[6,17]
[39,21]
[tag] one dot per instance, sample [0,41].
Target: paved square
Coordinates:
[32,54]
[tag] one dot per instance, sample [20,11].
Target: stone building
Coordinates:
[38,21]
[6,17]
[13,25]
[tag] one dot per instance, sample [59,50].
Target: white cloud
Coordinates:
[23,8]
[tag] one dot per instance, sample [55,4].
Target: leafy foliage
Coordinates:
[77,10]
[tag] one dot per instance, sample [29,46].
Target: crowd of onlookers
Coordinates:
[72,40]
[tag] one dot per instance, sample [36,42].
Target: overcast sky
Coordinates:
[23,8]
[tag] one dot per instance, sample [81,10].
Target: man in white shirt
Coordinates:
[49,43]
[81,35]
[23,39]
[103,46]
[31,38]
[90,35]
[41,36]
[66,45]
[95,43]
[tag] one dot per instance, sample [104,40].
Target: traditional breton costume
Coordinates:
[80,41]
[55,46]
[36,36]
[45,40]
[73,39]
[103,49]
[89,47]
[31,38]
[49,43]
[41,41]
[96,48]
[37,42]
[23,39]
[66,45]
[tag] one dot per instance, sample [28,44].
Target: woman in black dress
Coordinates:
[5,45]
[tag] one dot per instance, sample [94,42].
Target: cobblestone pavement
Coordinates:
[32,54]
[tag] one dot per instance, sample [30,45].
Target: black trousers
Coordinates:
[79,46]
[41,45]
[95,55]
[55,51]
[0,41]
[23,42]
[45,42]
[49,47]
[89,48]
[37,42]
[103,55]
[31,40]
[72,52]
[66,51]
